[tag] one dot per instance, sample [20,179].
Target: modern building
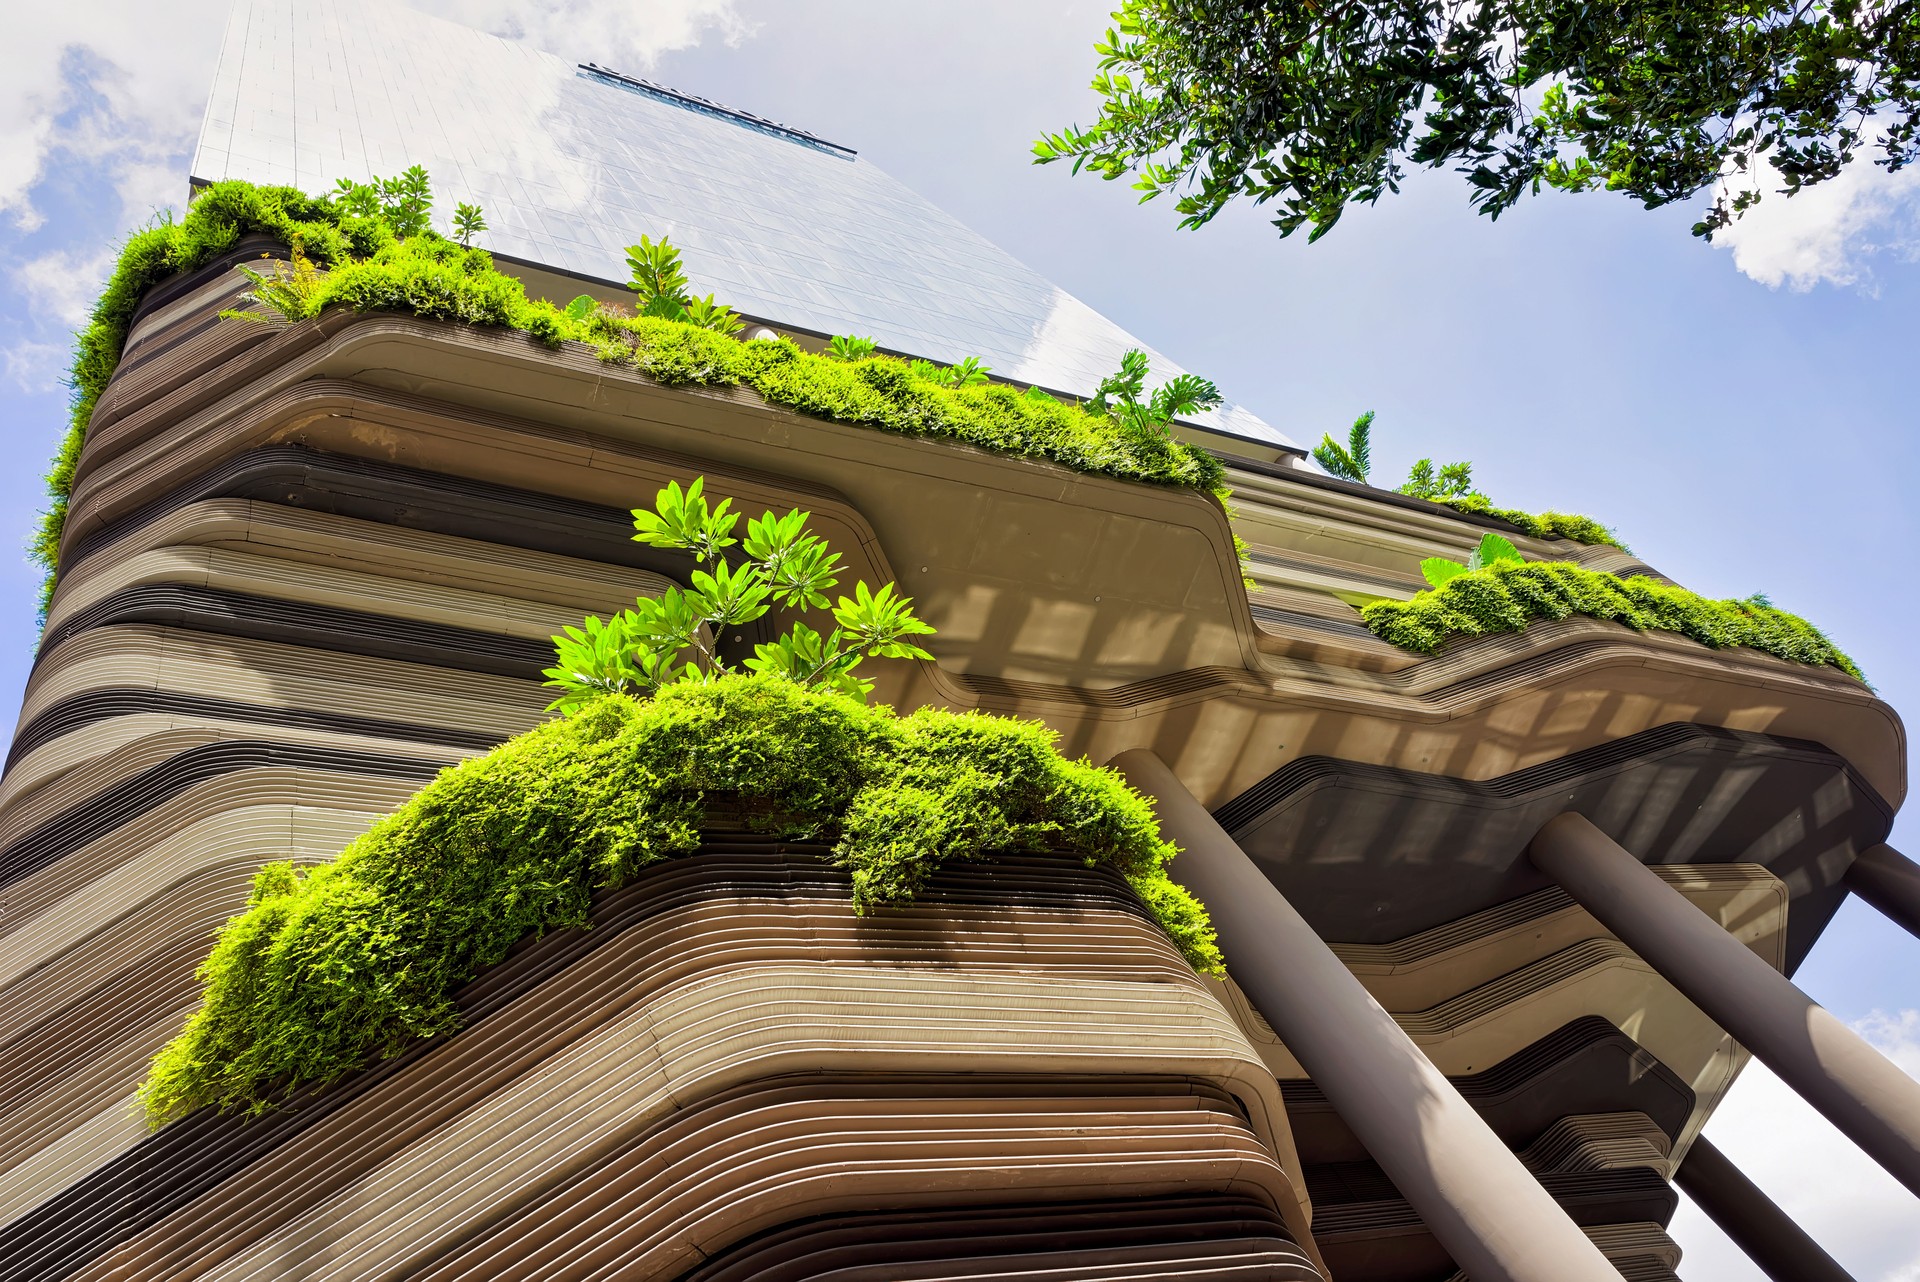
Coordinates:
[1502,923]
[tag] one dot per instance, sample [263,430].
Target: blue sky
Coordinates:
[1741,433]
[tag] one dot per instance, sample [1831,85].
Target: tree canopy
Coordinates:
[1316,104]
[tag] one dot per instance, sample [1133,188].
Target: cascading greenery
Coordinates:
[1504,594]
[329,968]
[371,266]
[329,235]
[779,565]
[1451,484]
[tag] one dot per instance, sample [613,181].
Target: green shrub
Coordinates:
[884,393]
[1543,525]
[428,275]
[221,215]
[332,967]
[1506,596]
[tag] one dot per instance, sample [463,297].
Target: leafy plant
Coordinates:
[661,283]
[675,637]
[332,967]
[1354,460]
[1119,397]
[1542,525]
[583,306]
[1452,485]
[968,373]
[468,222]
[427,275]
[290,295]
[1493,549]
[1316,107]
[1452,481]
[1506,595]
[405,203]
[846,347]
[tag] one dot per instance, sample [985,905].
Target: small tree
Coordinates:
[1352,461]
[1119,397]
[675,636]
[664,291]
[405,203]
[1452,481]
[468,222]
[1318,106]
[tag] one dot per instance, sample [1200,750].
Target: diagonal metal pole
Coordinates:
[1890,882]
[1770,1238]
[1479,1201]
[1859,1090]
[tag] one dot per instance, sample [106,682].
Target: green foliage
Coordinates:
[288,296]
[847,347]
[468,222]
[1318,106]
[327,232]
[884,393]
[1119,398]
[968,373]
[1506,595]
[332,967]
[661,283]
[1544,525]
[1452,485]
[427,275]
[674,637]
[1452,481]
[1492,550]
[405,204]
[1352,461]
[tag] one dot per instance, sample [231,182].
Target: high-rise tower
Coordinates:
[1502,921]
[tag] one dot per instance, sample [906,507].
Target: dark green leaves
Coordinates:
[1314,107]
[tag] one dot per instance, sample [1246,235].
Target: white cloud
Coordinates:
[622,34]
[60,285]
[118,86]
[1862,1216]
[34,367]
[1828,232]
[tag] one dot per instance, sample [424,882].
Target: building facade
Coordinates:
[1502,923]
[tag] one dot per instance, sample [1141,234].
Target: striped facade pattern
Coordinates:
[289,595]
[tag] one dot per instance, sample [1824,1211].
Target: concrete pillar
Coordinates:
[1479,1201]
[1859,1090]
[1890,882]
[1781,1248]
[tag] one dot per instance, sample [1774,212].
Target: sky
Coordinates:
[1742,412]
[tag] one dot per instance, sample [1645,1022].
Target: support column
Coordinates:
[1781,1248]
[1860,1091]
[1480,1202]
[1890,882]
